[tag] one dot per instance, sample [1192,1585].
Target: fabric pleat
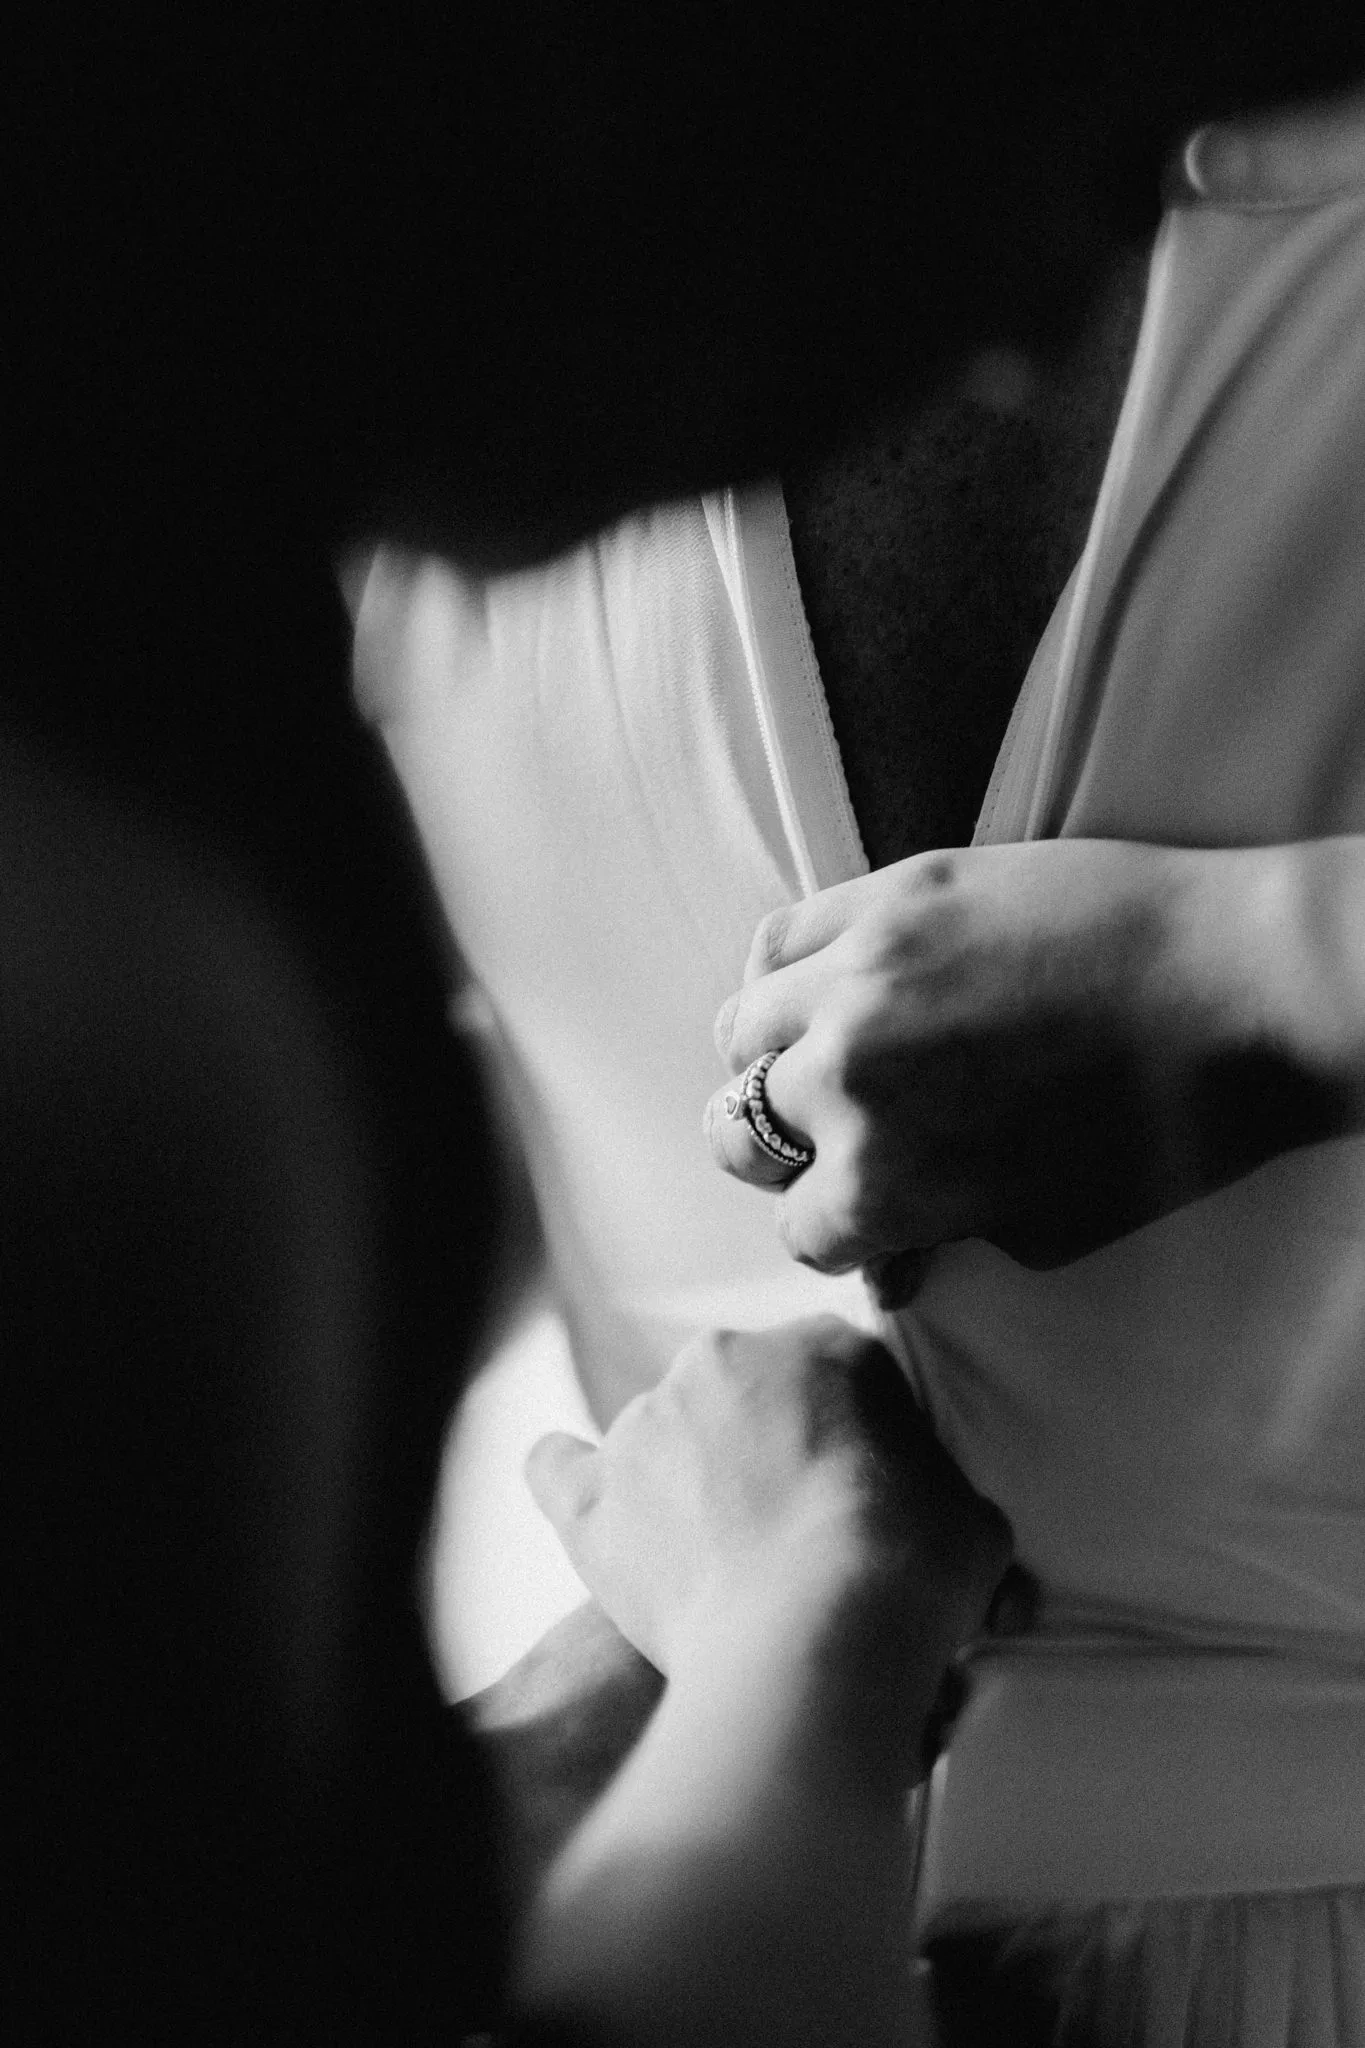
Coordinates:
[1281,1971]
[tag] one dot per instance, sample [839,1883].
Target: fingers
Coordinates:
[799,929]
[735,1148]
[562,1472]
[828,1216]
[786,975]
[849,1209]
[796,956]
[821,1225]
[772,1012]
[1280,159]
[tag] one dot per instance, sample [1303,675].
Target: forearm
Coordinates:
[747,1877]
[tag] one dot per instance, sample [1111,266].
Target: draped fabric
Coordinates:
[1176,1424]
[1275,1971]
[618,763]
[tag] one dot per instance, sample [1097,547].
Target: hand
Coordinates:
[772,1482]
[775,1527]
[1044,1045]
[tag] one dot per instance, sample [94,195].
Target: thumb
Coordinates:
[562,1473]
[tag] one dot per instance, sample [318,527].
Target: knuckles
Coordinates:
[911,934]
[842,1219]
[827,1244]
[844,1044]
[935,871]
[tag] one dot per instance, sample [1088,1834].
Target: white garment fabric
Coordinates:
[1248,1972]
[1176,1426]
[620,762]
[617,765]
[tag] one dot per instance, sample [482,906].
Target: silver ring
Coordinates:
[748,1099]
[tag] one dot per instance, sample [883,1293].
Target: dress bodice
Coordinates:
[618,763]
[1176,1425]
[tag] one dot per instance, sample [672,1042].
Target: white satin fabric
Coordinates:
[620,762]
[1247,1972]
[1163,1794]
[1175,1425]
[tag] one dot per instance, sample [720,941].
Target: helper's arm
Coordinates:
[747,1878]
[773,1527]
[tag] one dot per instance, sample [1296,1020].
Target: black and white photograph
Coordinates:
[682,1031]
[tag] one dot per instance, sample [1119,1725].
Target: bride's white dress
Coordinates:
[618,763]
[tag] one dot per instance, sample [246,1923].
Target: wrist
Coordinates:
[839,1672]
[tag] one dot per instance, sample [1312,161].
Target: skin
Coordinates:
[195,364]
[911,517]
[804,1599]
[1049,1046]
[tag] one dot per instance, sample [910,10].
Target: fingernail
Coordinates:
[716,1111]
[723,1028]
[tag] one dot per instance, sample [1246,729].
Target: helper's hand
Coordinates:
[777,1482]
[1044,1045]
